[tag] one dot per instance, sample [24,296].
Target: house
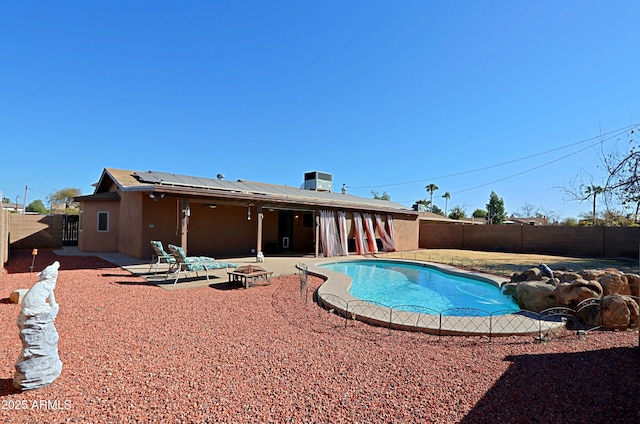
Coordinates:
[527,220]
[12,207]
[220,218]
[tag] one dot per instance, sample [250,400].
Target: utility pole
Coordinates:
[24,201]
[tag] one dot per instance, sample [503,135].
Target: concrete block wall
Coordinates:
[597,241]
[35,231]
[4,239]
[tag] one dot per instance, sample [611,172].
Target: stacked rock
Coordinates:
[538,289]
[39,363]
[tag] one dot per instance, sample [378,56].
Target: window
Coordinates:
[103,221]
[307,220]
[80,220]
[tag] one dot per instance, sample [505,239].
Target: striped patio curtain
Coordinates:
[371,234]
[358,233]
[329,234]
[388,244]
[342,226]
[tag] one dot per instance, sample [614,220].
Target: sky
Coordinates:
[516,97]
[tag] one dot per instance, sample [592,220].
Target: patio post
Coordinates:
[186,212]
[259,241]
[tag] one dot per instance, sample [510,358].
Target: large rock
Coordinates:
[634,284]
[567,276]
[39,364]
[618,312]
[533,274]
[591,274]
[510,289]
[614,283]
[535,296]
[572,293]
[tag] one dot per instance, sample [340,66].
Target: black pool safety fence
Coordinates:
[590,315]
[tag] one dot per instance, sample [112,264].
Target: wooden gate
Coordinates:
[70,230]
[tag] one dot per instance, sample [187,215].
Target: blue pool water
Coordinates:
[413,287]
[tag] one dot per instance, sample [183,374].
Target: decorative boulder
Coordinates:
[572,293]
[533,274]
[634,284]
[535,296]
[567,276]
[614,283]
[618,312]
[510,289]
[591,274]
[39,363]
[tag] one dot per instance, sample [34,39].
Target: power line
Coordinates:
[525,171]
[610,135]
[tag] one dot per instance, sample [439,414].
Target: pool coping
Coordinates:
[334,294]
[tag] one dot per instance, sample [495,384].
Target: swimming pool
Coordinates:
[416,288]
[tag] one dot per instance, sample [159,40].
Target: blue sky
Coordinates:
[386,96]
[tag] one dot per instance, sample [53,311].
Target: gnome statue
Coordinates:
[39,363]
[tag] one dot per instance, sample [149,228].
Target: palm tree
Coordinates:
[593,190]
[446,196]
[431,188]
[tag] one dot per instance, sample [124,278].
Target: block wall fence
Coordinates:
[35,231]
[595,241]
[4,239]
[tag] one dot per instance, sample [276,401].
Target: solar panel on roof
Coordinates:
[164,178]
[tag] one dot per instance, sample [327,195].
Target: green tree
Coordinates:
[425,205]
[479,213]
[63,197]
[37,206]
[383,196]
[593,191]
[430,189]
[435,209]
[572,222]
[446,196]
[496,213]
[457,213]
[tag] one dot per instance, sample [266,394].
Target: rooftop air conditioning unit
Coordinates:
[318,181]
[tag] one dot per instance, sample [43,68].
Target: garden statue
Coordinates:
[39,363]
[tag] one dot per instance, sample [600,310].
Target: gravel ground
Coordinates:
[133,352]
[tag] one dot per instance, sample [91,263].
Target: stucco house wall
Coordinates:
[92,240]
[219,219]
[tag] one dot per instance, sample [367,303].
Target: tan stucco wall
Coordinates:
[131,217]
[223,231]
[4,239]
[406,232]
[89,239]
[35,231]
[161,221]
[595,241]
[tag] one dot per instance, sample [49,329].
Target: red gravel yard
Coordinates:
[134,352]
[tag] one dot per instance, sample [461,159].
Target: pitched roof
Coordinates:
[163,182]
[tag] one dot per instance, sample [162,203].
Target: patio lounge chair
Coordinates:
[187,264]
[160,256]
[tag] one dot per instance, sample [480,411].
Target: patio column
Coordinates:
[316,219]
[186,213]
[259,241]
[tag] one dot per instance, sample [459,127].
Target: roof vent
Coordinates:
[220,176]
